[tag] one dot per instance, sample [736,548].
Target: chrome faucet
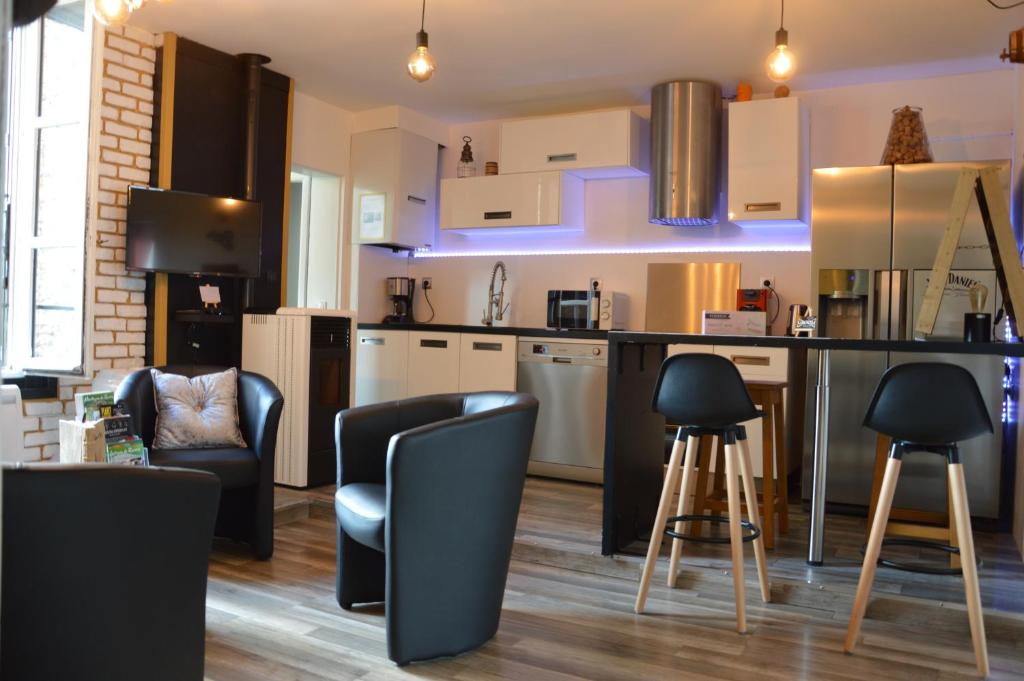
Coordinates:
[496,306]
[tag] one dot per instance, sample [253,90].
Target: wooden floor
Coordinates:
[568,610]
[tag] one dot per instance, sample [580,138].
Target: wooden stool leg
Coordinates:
[969,566]
[781,467]
[718,484]
[689,466]
[707,450]
[954,560]
[882,443]
[732,484]
[657,533]
[874,547]
[750,494]
[767,477]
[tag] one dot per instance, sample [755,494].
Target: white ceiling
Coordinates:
[500,58]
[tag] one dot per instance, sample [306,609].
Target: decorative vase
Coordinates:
[467,167]
[907,141]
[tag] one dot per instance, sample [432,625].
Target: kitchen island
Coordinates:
[635,434]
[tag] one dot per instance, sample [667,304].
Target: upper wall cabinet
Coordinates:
[768,162]
[593,145]
[394,188]
[550,200]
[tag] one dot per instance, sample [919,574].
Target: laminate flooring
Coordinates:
[568,611]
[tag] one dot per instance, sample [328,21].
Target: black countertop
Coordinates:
[931,346]
[580,334]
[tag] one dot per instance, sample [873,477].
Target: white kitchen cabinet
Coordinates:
[487,362]
[591,145]
[433,363]
[382,366]
[551,201]
[768,162]
[394,188]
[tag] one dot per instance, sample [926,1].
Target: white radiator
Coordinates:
[12,436]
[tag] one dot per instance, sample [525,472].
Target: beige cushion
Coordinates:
[196,413]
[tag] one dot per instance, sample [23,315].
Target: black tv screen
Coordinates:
[184,233]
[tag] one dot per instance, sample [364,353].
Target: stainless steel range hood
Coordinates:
[686,123]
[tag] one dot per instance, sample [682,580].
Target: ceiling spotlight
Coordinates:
[421,64]
[781,64]
[112,12]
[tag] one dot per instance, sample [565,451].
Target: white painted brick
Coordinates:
[30,425]
[136,338]
[112,268]
[110,324]
[103,253]
[149,53]
[137,119]
[106,197]
[125,75]
[137,297]
[133,174]
[145,135]
[51,452]
[139,35]
[44,438]
[41,407]
[112,241]
[146,80]
[120,130]
[128,363]
[137,350]
[122,45]
[133,147]
[113,213]
[144,66]
[144,94]
[101,364]
[49,422]
[131,284]
[111,84]
[136,324]
[136,311]
[106,226]
[67,393]
[108,141]
[119,254]
[110,351]
[113,184]
[146,108]
[100,281]
[112,56]
[107,169]
[143,162]
[119,100]
[111,113]
[117,157]
[104,295]
[103,310]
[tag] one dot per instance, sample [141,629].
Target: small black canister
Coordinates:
[977,327]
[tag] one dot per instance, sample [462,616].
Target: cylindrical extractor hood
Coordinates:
[686,124]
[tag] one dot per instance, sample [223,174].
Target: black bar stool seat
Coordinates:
[926,407]
[706,394]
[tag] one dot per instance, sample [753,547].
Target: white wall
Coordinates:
[968,117]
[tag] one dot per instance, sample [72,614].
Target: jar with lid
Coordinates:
[907,141]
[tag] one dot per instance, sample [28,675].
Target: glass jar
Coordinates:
[907,141]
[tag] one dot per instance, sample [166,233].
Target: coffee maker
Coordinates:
[401,291]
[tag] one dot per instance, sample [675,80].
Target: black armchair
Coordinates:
[427,502]
[246,475]
[105,571]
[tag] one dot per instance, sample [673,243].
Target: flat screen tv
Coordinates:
[184,233]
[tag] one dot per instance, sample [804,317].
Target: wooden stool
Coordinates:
[774,498]
[910,522]
[682,396]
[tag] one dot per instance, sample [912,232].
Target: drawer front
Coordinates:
[487,362]
[770,364]
[571,142]
[433,363]
[381,363]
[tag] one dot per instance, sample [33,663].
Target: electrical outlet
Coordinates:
[596,283]
[428,283]
[766,281]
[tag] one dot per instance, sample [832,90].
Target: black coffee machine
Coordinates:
[401,291]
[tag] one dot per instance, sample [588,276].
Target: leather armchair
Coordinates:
[105,572]
[427,502]
[246,475]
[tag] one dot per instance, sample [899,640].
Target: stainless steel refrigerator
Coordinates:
[875,232]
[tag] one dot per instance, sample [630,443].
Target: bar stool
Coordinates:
[774,493]
[706,393]
[926,407]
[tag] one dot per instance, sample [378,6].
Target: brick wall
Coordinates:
[115,312]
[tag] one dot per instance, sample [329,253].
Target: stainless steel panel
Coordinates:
[677,293]
[921,200]
[850,218]
[570,380]
[686,122]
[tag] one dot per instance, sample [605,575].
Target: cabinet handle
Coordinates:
[498,215]
[490,347]
[562,360]
[769,207]
[751,361]
[416,199]
[371,341]
[427,343]
[561,158]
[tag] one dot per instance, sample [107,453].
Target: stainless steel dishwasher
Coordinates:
[570,379]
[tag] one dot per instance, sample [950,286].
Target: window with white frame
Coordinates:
[48,132]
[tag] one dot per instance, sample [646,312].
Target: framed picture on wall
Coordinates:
[372,208]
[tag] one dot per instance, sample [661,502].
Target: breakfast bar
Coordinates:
[635,434]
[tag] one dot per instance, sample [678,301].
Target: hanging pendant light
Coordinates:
[781,64]
[421,64]
[112,12]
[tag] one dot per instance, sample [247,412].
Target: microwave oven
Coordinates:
[599,310]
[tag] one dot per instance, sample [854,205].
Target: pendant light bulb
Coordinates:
[781,64]
[421,64]
[112,12]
